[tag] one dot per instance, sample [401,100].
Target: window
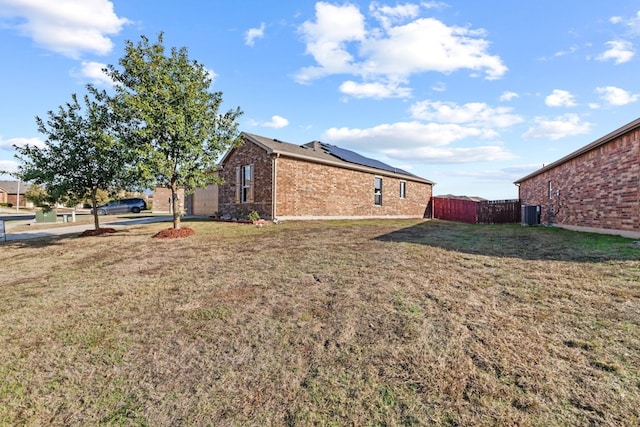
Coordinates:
[550,185]
[403,189]
[244,184]
[377,191]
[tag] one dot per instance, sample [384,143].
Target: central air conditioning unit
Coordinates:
[530,215]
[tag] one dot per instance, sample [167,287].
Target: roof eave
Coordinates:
[340,164]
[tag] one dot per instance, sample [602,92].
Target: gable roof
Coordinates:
[11,187]
[319,152]
[592,146]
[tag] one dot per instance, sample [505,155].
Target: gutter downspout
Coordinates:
[274,186]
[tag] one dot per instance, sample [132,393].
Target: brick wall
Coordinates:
[161,199]
[247,154]
[308,189]
[598,189]
[13,199]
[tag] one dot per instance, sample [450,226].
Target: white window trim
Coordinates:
[377,194]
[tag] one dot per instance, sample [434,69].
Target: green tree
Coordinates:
[102,197]
[39,196]
[81,155]
[170,118]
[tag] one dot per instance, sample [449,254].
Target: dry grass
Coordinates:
[322,323]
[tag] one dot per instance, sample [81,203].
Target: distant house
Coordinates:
[315,181]
[13,192]
[595,188]
[204,201]
[162,201]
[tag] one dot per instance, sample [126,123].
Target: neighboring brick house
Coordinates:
[315,181]
[13,192]
[162,199]
[595,188]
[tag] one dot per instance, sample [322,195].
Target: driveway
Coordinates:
[77,229]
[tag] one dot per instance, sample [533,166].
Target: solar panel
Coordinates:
[352,157]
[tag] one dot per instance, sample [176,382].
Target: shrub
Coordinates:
[253,216]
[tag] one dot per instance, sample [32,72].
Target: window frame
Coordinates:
[377,190]
[246,183]
[403,189]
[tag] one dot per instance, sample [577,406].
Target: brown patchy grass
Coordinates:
[322,323]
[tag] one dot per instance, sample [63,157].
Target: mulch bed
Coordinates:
[98,232]
[172,233]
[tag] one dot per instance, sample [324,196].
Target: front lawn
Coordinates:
[322,323]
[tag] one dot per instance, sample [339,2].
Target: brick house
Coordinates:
[595,188]
[162,199]
[315,181]
[13,192]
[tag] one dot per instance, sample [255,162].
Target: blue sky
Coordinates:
[470,94]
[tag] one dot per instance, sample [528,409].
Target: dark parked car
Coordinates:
[134,205]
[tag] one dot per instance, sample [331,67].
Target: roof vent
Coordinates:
[314,145]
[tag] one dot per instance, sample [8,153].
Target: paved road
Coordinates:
[77,229]
[20,217]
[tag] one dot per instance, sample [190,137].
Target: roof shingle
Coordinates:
[320,152]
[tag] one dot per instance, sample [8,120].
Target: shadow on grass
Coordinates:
[516,241]
[39,240]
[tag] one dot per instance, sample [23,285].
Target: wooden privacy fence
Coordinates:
[476,212]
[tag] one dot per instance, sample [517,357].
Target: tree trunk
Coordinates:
[175,203]
[94,203]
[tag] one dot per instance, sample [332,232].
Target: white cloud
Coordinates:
[69,27]
[475,113]
[377,90]
[389,15]
[20,142]
[558,127]
[8,166]
[409,135]
[439,87]
[415,141]
[276,122]
[616,96]
[632,23]
[560,98]
[93,72]
[620,51]
[429,45]
[341,43]
[487,153]
[326,39]
[254,33]
[211,74]
[571,50]
[616,19]
[508,96]
[434,4]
